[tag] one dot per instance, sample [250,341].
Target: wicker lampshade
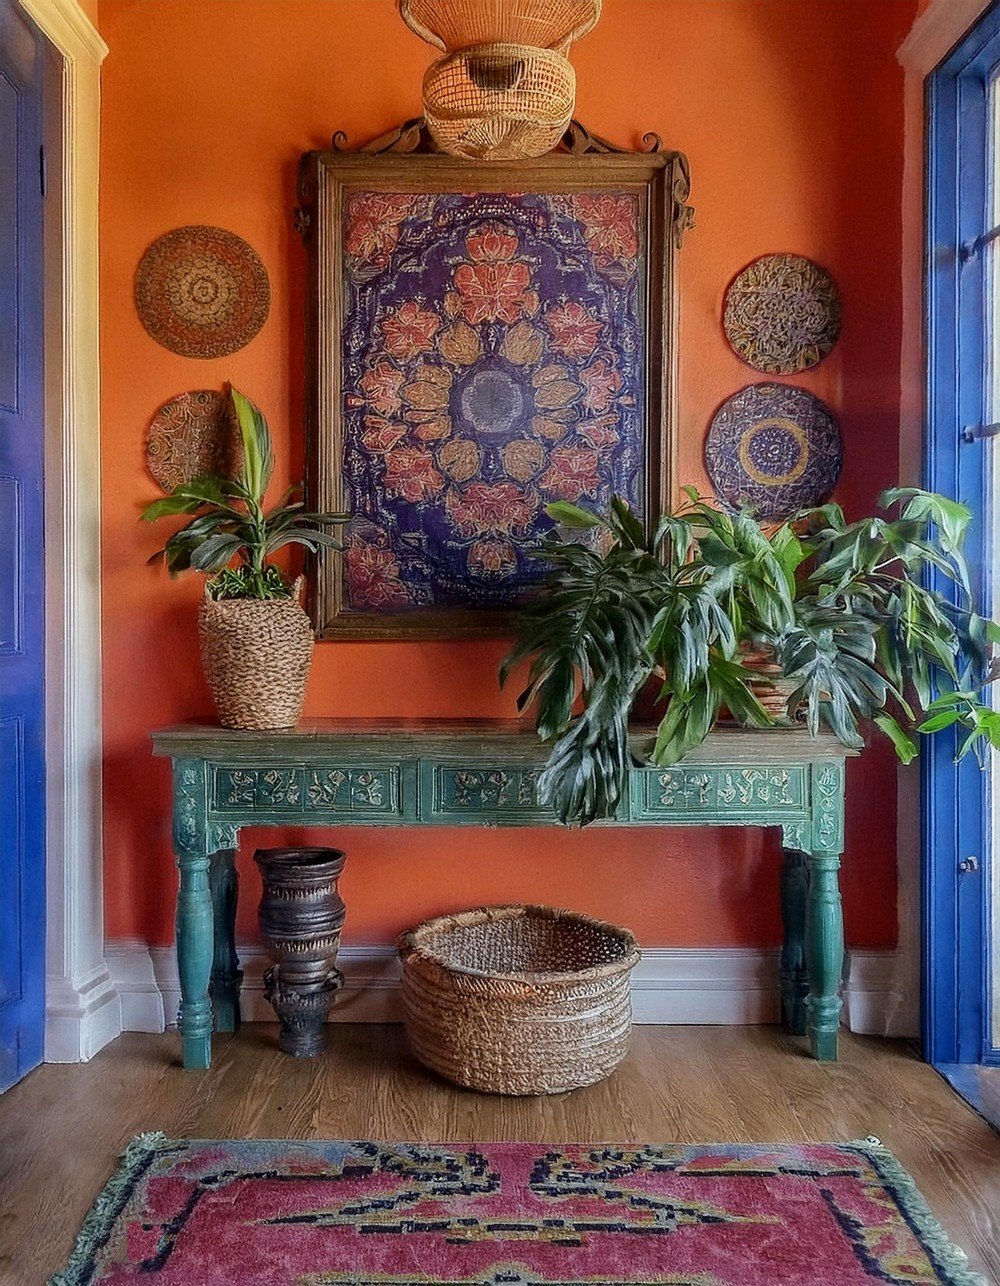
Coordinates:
[461,24]
[499,101]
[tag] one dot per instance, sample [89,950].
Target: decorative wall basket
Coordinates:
[774,448]
[301,916]
[499,102]
[202,291]
[505,89]
[782,314]
[193,434]
[256,655]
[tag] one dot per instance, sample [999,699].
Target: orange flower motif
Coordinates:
[373,576]
[411,475]
[601,381]
[381,435]
[574,329]
[373,220]
[381,384]
[495,285]
[610,226]
[485,508]
[410,330]
[602,432]
[491,243]
[492,557]
[572,473]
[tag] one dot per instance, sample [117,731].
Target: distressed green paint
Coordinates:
[227,976]
[828,806]
[194,911]
[824,955]
[485,773]
[793,975]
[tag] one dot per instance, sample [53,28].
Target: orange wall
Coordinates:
[791,114]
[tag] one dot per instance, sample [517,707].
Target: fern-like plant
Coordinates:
[231,535]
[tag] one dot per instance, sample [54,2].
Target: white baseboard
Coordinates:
[81,1015]
[698,986]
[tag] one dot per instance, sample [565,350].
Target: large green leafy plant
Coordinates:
[231,536]
[842,607]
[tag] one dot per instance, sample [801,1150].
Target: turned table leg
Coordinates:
[227,975]
[824,948]
[194,911]
[194,958]
[794,979]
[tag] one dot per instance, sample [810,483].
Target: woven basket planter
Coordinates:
[256,654]
[773,689]
[518,999]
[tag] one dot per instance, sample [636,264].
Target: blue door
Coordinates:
[22,589]
[962,459]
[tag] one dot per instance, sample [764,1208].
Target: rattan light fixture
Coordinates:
[505,88]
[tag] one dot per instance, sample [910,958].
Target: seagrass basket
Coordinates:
[457,24]
[518,999]
[499,101]
[256,655]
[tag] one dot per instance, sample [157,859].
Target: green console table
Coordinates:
[483,773]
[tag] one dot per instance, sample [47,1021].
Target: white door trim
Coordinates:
[83,1011]
[932,36]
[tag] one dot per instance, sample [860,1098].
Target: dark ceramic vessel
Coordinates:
[301,916]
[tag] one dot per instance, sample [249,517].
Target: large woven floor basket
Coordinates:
[518,999]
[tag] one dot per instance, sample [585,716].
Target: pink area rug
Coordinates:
[214,1212]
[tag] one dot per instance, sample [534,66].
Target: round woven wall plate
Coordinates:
[773,448]
[782,314]
[191,435]
[202,291]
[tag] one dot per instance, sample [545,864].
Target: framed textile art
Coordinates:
[484,338]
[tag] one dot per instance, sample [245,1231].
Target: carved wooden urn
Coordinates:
[301,916]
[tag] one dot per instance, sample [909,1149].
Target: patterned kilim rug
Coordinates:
[510,1214]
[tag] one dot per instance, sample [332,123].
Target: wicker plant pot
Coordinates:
[773,689]
[256,654]
[518,999]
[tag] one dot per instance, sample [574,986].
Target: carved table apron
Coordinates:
[483,773]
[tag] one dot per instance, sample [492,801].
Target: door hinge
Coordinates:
[970,249]
[979,432]
[43,182]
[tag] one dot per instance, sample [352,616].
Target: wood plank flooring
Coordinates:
[63,1127]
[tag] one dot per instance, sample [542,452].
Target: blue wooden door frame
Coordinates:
[956,797]
[22,590]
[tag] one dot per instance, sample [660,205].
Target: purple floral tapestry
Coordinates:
[494,361]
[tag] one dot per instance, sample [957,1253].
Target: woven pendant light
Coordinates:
[505,88]
[460,24]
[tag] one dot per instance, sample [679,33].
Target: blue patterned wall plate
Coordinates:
[775,448]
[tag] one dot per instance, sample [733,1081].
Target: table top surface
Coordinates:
[725,743]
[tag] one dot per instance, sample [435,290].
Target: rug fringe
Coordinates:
[951,1257]
[107,1207]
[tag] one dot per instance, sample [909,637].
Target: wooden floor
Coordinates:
[62,1128]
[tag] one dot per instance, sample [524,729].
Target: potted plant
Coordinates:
[837,613]
[256,641]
